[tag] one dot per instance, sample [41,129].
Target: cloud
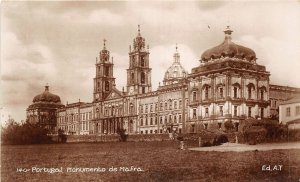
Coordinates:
[57,42]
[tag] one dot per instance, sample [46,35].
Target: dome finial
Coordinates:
[47,87]
[139,30]
[228,32]
[104,45]
[176,55]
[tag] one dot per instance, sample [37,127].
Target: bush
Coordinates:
[24,133]
[229,126]
[122,135]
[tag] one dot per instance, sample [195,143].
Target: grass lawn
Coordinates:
[160,161]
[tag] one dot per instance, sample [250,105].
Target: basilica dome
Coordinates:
[46,96]
[175,72]
[229,49]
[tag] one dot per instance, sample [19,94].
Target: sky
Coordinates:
[58,42]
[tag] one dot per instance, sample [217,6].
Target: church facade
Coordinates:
[228,86]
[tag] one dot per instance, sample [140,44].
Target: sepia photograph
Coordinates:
[150,91]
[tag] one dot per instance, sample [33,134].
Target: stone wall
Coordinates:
[113,138]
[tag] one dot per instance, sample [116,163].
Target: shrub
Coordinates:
[24,133]
[122,135]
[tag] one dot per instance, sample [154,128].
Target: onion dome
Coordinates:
[229,49]
[175,72]
[138,41]
[104,53]
[46,96]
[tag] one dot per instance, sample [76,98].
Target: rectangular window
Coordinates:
[146,110]
[180,104]
[179,118]
[194,113]
[206,112]
[151,121]
[249,112]
[146,131]
[146,123]
[161,106]
[221,92]
[288,111]
[194,96]
[151,108]
[150,131]
[235,111]
[166,106]
[221,110]
[235,92]
[297,110]
[175,104]
[261,112]
[141,132]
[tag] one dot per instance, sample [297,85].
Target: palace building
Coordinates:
[229,85]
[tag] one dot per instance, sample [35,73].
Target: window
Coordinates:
[142,61]
[151,121]
[160,121]
[161,106]
[180,104]
[141,132]
[106,71]
[170,118]
[143,77]
[194,96]
[150,131]
[262,112]
[170,105]
[249,92]
[141,108]
[179,118]
[142,122]
[235,111]
[262,95]
[206,112]
[221,92]
[106,86]
[175,119]
[297,110]
[249,111]
[146,111]
[155,121]
[206,92]
[143,90]
[146,123]
[288,111]
[221,110]
[146,131]
[151,108]
[194,113]
[166,106]
[132,78]
[235,90]
[175,104]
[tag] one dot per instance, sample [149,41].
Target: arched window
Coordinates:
[142,61]
[235,92]
[106,85]
[250,90]
[142,122]
[132,78]
[143,77]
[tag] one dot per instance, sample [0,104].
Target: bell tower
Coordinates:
[138,73]
[104,80]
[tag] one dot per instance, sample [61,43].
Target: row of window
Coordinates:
[220,93]
[221,112]
[167,119]
[297,111]
[168,105]
[74,117]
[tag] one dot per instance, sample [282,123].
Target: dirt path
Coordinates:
[244,147]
